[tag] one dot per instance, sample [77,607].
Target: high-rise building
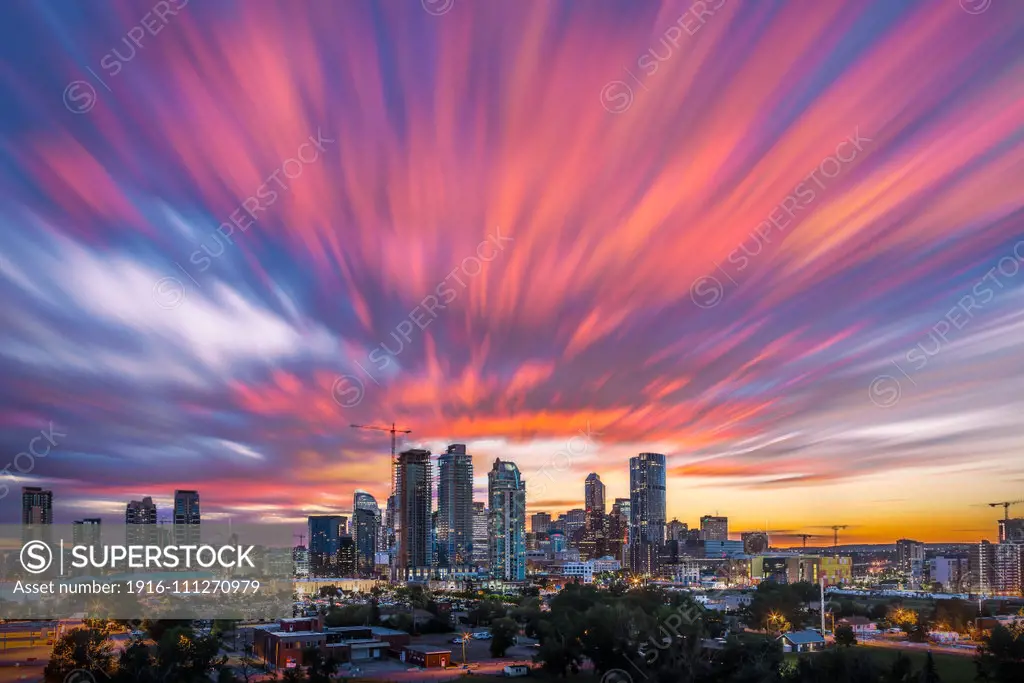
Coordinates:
[86,531]
[910,557]
[1006,568]
[595,529]
[140,522]
[625,507]
[361,500]
[415,508]
[952,573]
[647,511]
[481,535]
[36,505]
[389,532]
[347,556]
[140,511]
[618,530]
[365,531]
[593,500]
[676,531]
[714,528]
[455,507]
[981,563]
[300,556]
[506,493]
[186,507]
[540,522]
[325,532]
[575,521]
[1011,530]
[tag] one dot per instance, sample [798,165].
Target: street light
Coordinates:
[774,618]
[465,637]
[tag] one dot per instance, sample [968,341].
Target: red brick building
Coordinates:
[427,656]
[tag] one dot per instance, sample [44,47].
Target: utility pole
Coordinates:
[821,584]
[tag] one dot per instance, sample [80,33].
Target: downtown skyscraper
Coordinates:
[454,528]
[506,495]
[714,528]
[186,507]
[647,511]
[36,505]
[140,522]
[481,535]
[414,507]
[325,532]
[186,517]
[593,543]
[366,530]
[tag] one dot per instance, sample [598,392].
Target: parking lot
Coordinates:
[479,650]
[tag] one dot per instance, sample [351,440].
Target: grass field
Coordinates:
[951,668]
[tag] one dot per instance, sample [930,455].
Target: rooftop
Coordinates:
[804,637]
[297,634]
[427,650]
[382,631]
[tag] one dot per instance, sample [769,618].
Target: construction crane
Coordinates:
[804,537]
[1006,506]
[393,502]
[302,539]
[394,432]
[835,528]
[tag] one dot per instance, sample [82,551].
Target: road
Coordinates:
[919,647]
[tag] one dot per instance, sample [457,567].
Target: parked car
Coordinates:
[483,635]
[458,641]
[516,671]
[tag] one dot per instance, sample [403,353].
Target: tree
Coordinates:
[135,664]
[775,606]
[751,662]
[614,635]
[928,673]
[249,666]
[487,611]
[183,657]
[529,614]
[82,648]
[321,668]
[900,671]
[503,634]
[906,619]
[560,651]
[917,634]
[954,614]
[348,615]
[845,636]
[155,628]
[294,676]
[1001,655]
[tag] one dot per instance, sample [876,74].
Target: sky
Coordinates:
[780,243]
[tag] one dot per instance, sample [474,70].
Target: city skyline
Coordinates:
[779,244]
[709,527]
